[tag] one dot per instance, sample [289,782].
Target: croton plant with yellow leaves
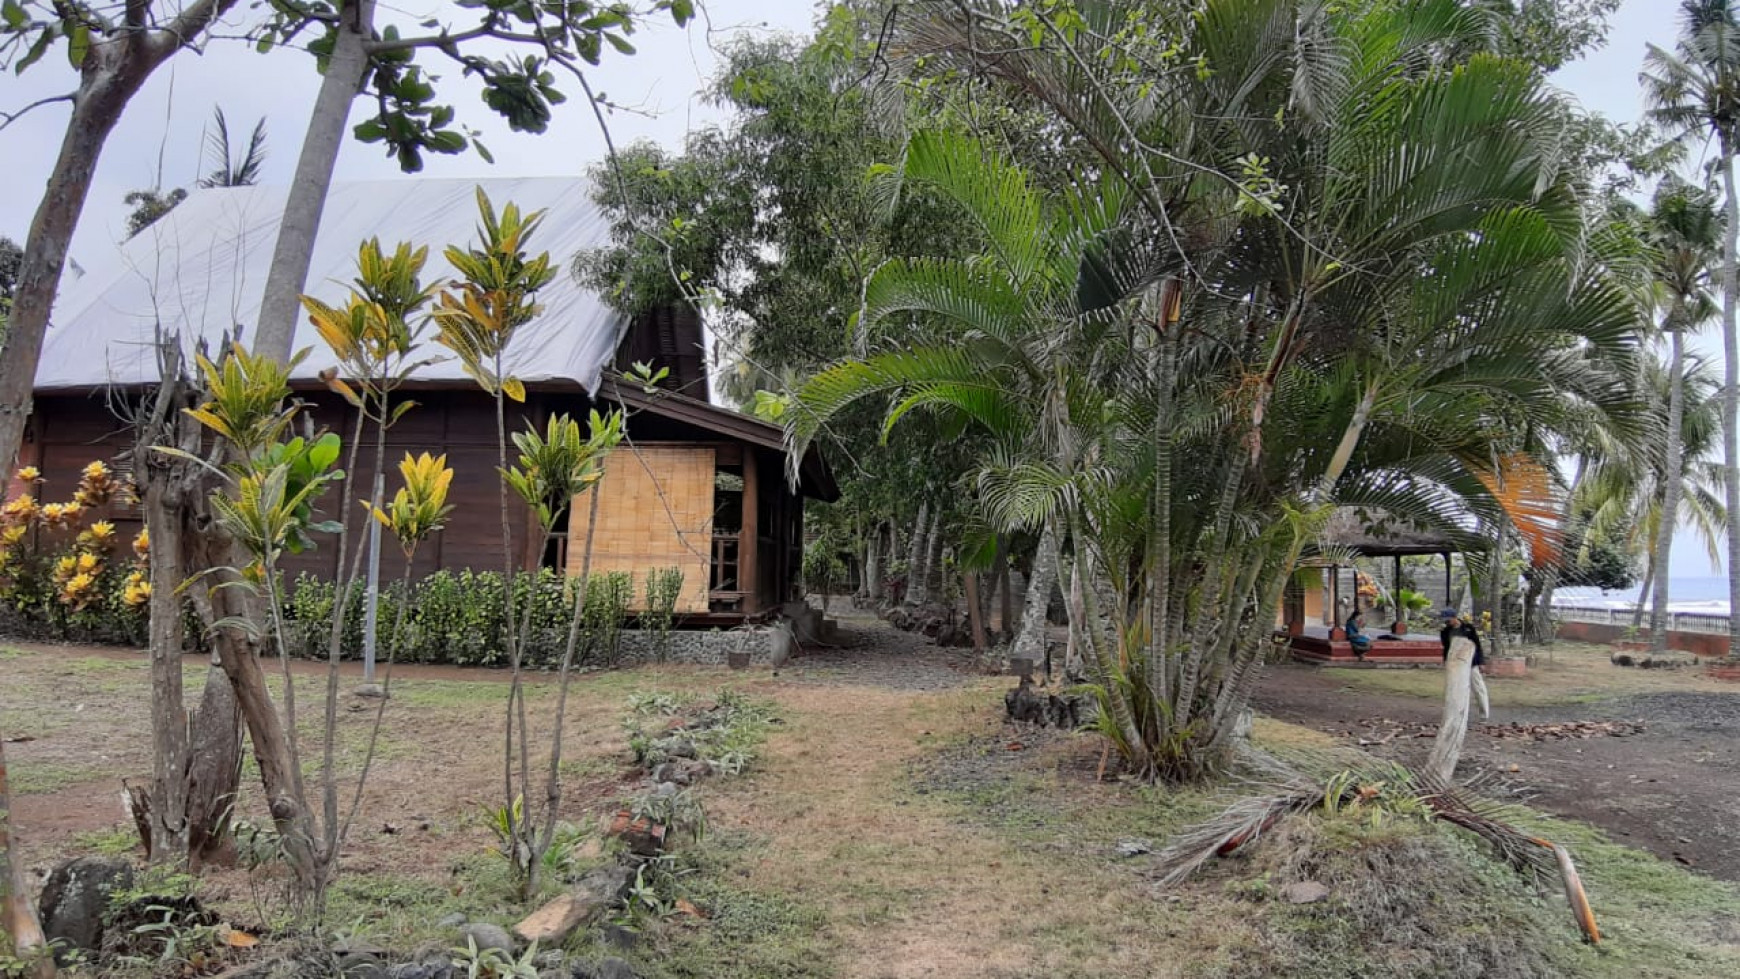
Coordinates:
[66,569]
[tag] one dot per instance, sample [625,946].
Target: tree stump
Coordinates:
[1453,726]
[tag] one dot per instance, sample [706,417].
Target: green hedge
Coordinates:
[456,617]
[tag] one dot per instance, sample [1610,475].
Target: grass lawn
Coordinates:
[886,833]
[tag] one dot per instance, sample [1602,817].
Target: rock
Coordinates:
[605,887]
[606,968]
[488,936]
[554,922]
[619,937]
[600,890]
[1305,892]
[361,966]
[642,836]
[682,771]
[1134,848]
[426,969]
[453,920]
[681,748]
[75,901]
[550,959]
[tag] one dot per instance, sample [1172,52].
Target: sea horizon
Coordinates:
[1700,593]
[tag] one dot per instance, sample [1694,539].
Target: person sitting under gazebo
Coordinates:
[1356,636]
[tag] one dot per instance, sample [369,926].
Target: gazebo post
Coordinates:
[1336,632]
[1448,598]
[1400,625]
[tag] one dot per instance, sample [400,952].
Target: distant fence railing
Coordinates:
[1702,622]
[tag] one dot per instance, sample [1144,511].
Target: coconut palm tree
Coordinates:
[1694,92]
[230,168]
[1623,493]
[1684,231]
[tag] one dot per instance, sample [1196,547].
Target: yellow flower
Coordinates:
[142,543]
[88,564]
[29,474]
[13,535]
[65,568]
[96,485]
[20,509]
[79,590]
[138,590]
[100,534]
[61,514]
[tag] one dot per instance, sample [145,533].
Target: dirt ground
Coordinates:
[1670,789]
[894,828]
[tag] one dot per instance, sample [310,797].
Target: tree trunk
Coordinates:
[1644,592]
[917,576]
[1453,725]
[1030,641]
[281,305]
[1000,584]
[113,71]
[103,94]
[193,790]
[17,917]
[1670,495]
[214,772]
[975,611]
[167,837]
[1731,391]
[933,562]
[872,589]
[1495,587]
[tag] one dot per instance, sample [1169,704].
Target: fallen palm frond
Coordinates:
[1273,789]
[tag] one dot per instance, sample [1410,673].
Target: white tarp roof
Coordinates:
[201,270]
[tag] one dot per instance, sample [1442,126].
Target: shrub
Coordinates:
[456,617]
[66,571]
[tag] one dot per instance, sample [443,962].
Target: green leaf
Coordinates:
[513,388]
[14,14]
[620,43]
[482,151]
[78,45]
[37,50]
[682,11]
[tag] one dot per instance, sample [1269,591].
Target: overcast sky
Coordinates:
[158,140]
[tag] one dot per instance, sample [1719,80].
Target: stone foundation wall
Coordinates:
[690,647]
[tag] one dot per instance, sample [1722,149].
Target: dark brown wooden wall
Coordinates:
[69,431]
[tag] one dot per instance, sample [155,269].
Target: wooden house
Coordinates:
[697,486]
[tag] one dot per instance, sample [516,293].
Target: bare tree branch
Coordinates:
[8,118]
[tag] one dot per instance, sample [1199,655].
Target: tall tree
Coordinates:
[1694,92]
[114,58]
[1685,232]
[358,56]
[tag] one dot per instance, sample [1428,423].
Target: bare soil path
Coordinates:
[1673,789]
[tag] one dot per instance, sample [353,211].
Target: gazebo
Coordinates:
[1366,534]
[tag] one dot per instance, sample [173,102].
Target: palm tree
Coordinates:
[1006,324]
[1321,269]
[1695,91]
[1684,232]
[230,169]
[1622,492]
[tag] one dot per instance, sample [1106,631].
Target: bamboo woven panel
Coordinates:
[655,510]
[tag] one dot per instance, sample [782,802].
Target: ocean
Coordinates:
[1691,594]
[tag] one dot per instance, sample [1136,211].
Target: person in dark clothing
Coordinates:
[1356,636]
[1454,626]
